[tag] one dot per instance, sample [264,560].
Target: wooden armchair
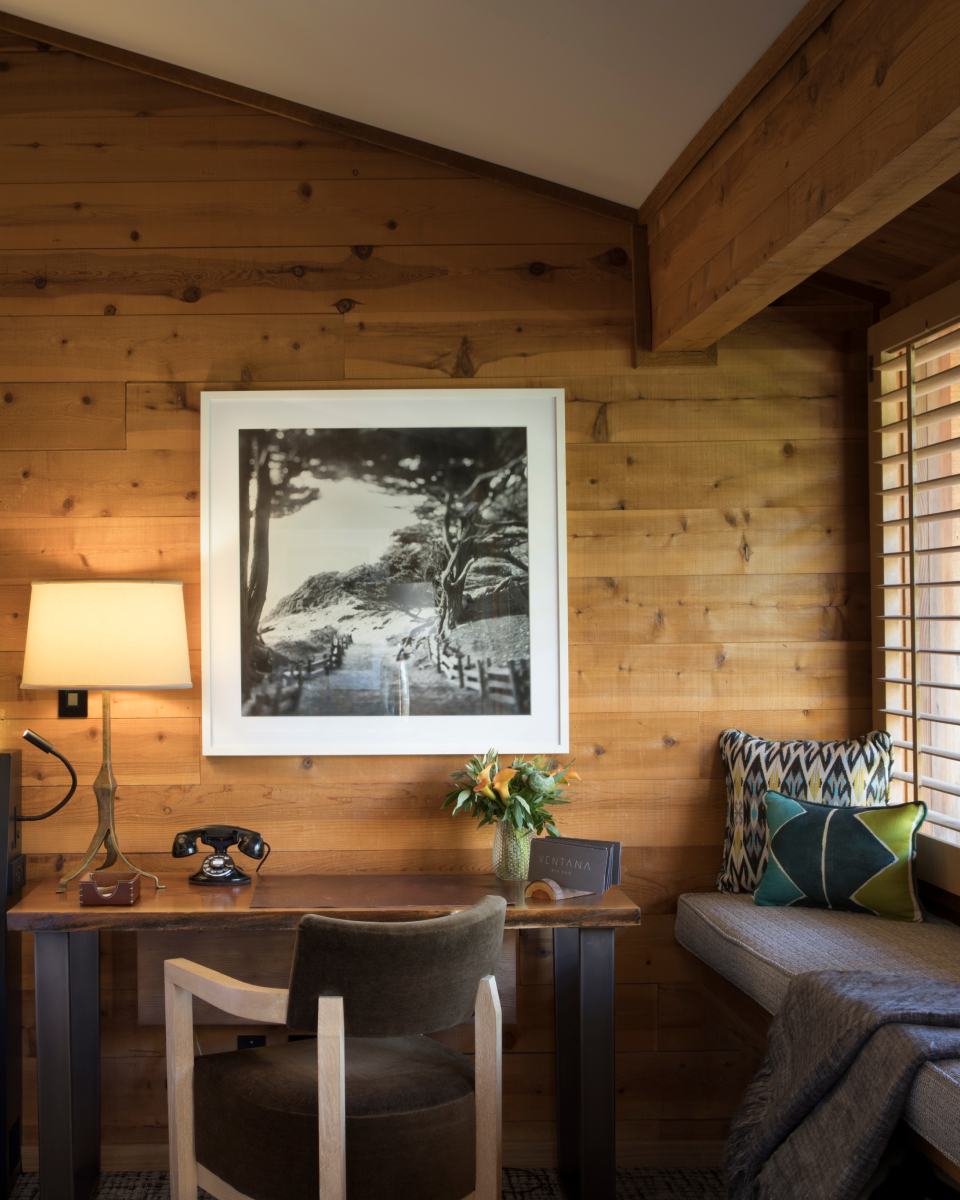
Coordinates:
[377,1108]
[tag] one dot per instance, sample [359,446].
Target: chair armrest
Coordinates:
[488,1030]
[331,1100]
[263,1005]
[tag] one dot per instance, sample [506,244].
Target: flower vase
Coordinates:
[511,851]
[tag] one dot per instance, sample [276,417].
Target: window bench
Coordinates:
[761,949]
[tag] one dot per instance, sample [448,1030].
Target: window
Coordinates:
[915,512]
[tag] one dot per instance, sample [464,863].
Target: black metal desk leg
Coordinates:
[583,975]
[566,988]
[598,1138]
[68,1063]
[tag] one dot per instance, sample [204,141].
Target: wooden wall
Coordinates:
[153,241]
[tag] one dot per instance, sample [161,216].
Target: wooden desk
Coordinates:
[68,1002]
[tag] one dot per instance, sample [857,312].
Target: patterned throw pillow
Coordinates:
[843,774]
[856,859]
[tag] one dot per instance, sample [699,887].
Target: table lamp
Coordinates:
[112,635]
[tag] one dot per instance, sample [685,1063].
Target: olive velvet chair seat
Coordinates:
[372,1108]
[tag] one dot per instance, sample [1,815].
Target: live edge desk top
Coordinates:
[355,897]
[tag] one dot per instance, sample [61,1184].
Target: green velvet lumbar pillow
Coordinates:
[857,859]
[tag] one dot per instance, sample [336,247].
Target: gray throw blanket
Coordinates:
[842,1055]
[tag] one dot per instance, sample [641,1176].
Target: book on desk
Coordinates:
[582,865]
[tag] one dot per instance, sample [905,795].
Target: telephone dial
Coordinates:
[218,869]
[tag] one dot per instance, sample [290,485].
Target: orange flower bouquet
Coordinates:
[517,799]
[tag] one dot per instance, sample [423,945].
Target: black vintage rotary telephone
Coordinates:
[219,869]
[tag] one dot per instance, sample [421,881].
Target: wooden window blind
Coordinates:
[916,564]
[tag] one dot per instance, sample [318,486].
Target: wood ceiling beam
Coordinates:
[860,122]
[48,36]
[938,277]
[812,15]
[878,297]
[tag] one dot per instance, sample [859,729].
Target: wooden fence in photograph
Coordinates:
[507,683]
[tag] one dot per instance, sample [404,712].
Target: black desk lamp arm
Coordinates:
[42,744]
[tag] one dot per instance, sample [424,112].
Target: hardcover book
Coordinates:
[613,863]
[573,865]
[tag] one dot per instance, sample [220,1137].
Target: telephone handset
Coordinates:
[218,868]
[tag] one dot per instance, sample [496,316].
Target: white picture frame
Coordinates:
[274,705]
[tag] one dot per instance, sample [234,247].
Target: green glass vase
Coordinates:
[511,851]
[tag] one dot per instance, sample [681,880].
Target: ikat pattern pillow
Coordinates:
[849,774]
[854,859]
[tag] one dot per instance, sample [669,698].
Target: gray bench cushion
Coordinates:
[761,949]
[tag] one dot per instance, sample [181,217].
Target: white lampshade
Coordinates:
[107,634]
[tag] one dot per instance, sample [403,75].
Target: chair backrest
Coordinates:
[396,977]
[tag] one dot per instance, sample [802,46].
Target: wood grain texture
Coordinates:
[705,678]
[180,1113]
[331,1098]
[70,86]
[753,400]
[16,44]
[811,116]
[358,820]
[768,570]
[744,129]
[489,1091]
[710,608]
[787,474]
[242,145]
[707,541]
[290,212]
[148,548]
[178,907]
[816,410]
[911,249]
[257,1004]
[851,165]
[144,751]
[940,276]
[97,483]
[185,347]
[62,416]
[291,279]
[463,345]
[186,78]
[803,28]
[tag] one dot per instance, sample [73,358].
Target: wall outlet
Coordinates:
[72,704]
[250,1041]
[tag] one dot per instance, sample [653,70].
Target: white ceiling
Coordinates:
[601,95]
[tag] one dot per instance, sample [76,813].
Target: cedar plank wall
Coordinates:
[152,240]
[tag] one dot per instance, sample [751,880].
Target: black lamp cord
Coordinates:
[67,797]
[259,864]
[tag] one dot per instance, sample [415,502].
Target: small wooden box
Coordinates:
[110,887]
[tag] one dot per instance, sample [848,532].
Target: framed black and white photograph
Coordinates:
[383,572]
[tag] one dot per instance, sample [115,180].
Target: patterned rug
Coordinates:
[633,1183]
